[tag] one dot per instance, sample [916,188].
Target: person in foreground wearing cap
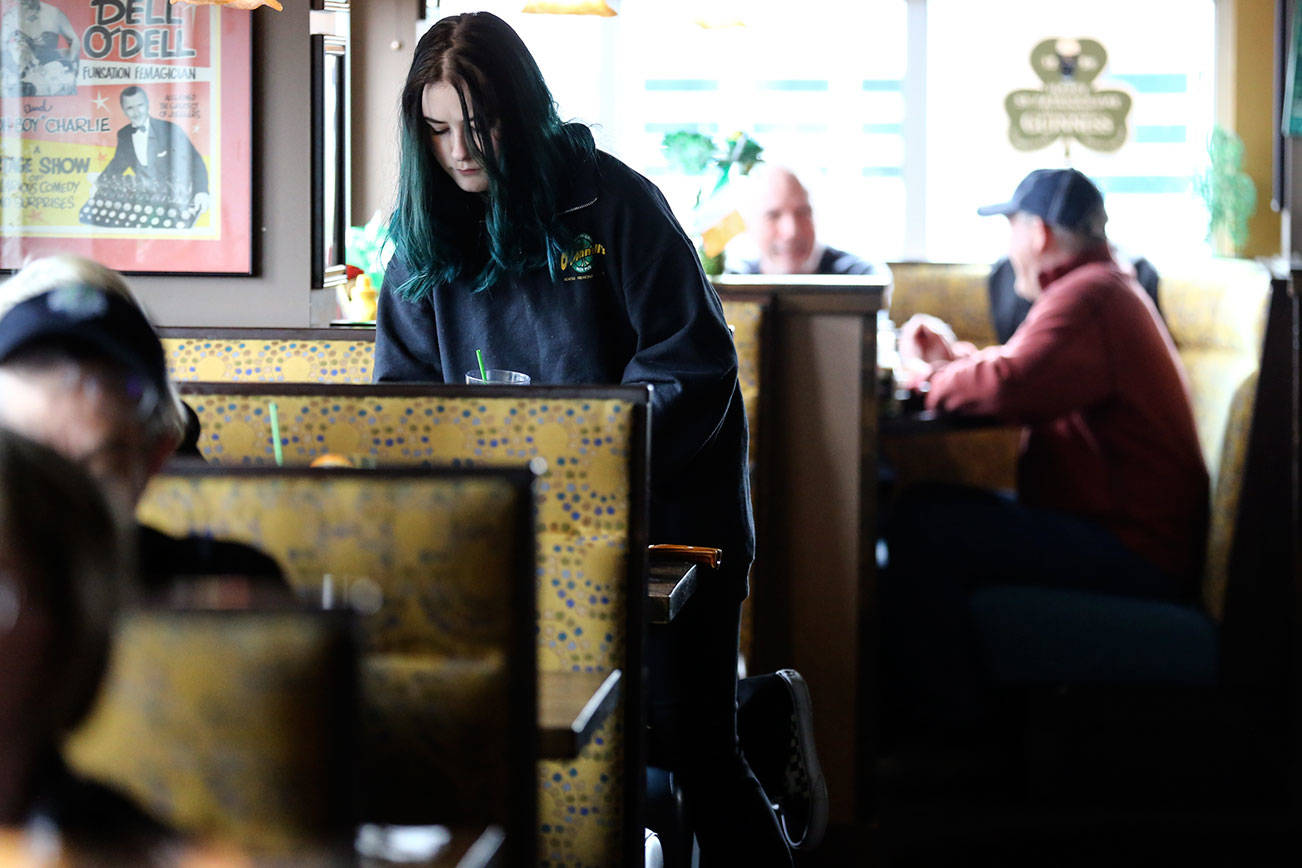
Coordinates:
[1112,489]
[82,371]
[63,578]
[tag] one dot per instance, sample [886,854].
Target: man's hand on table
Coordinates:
[927,343]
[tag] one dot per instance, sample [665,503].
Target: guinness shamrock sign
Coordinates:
[1067,106]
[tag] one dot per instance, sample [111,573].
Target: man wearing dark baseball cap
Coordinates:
[82,370]
[1112,489]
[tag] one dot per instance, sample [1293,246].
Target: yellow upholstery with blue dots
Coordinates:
[440,566]
[589,438]
[269,355]
[232,725]
[746,318]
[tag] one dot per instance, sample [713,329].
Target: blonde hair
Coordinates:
[167,417]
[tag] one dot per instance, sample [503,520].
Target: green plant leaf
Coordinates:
[688,151]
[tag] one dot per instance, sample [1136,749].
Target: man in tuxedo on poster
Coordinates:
[159,154]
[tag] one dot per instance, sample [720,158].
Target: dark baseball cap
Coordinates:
[102,323]
[1060,197]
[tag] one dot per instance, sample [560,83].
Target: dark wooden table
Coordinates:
[933,422]
[571,706]
[669,587]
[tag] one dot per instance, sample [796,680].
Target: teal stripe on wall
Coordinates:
[883,172]
[883,85]
[803,84]
[1174,82]
[1144,184]
[884,129]
[680,84]
[1165,135]
[791,128]
[673,128]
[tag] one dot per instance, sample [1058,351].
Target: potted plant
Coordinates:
[696,154]
[1227,191]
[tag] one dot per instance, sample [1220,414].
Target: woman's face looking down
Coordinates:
[450,135]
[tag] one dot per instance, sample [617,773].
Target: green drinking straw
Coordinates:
[483,374]
[275,435]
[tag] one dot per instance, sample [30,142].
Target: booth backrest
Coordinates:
[232,725]
[747,317]
[1216,314]
[590,528]
[440,564]
[250,355]
[956,293]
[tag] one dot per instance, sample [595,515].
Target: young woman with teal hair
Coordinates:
[516,236]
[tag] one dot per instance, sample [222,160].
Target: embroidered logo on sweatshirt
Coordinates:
[580,260]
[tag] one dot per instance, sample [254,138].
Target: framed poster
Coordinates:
[1292,119]
[126,134]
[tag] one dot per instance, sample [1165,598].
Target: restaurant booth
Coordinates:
[464,677]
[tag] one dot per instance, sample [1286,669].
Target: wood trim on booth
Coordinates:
[822,493]
[334,333]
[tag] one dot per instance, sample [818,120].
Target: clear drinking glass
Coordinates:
[495,377]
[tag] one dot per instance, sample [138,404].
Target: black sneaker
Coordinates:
[776,726]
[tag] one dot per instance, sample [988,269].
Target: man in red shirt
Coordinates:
[1112,490]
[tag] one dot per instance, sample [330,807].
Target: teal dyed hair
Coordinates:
[443,233]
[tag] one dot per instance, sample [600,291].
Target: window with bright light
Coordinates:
[1158,51]
[892,111]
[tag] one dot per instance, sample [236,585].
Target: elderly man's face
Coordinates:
[85,419]
[1024,246]
[784,227]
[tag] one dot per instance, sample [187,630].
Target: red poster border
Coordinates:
[230,253]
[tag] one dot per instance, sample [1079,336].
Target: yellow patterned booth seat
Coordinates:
[747,321]
[955,293]
[986,458]
[229,355]
[746,317]
[590,508]
[441,562]
[236,725]
[1216,314]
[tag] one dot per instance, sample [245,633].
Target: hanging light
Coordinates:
[570,7]
[235,4]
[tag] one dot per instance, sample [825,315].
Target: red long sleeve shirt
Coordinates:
[1109,434]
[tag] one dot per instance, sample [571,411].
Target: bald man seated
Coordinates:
[780,221]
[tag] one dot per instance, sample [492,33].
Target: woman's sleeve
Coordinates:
[406,341]
[684,348]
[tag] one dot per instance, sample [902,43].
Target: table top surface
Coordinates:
[571,707]
[934,422]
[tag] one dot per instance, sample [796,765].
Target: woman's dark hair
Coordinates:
[526,151]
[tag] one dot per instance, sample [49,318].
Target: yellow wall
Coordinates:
[1247,103]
